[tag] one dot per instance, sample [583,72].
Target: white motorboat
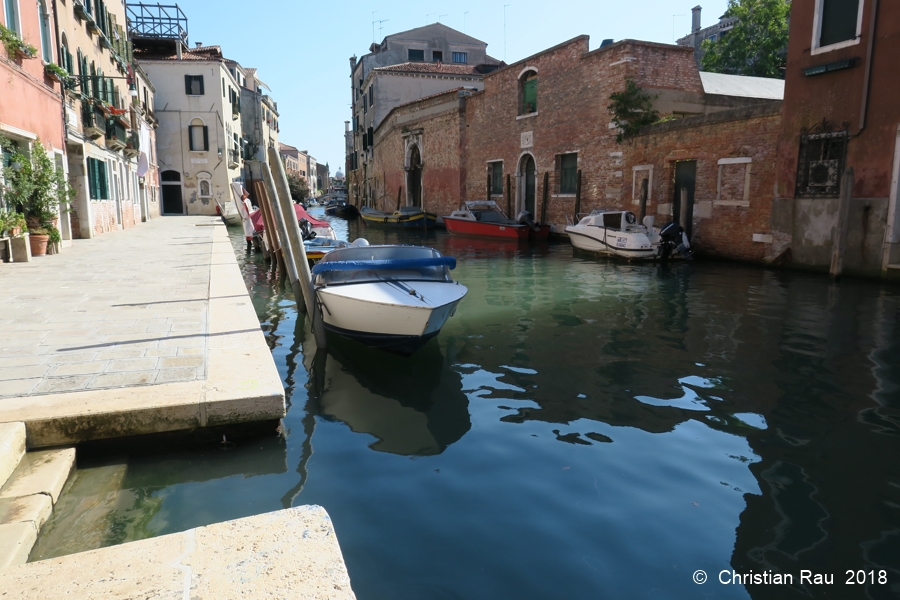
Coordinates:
[391,297]
[615,232]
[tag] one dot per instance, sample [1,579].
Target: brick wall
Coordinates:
[574,86]
[724,222]
[437,125]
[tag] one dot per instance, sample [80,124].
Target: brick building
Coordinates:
[420,148]
[729,157]
[840,110]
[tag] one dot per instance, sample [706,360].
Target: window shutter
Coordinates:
[191,138]
[205,137]
[200,79]
[529,95]
[187,85]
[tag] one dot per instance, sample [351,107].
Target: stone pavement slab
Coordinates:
[139,331]
[290,553]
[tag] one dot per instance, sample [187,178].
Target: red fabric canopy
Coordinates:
[259,225]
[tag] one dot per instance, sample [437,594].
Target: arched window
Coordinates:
[528,92]
[44,19]
[198,135]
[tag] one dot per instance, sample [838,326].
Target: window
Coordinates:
[528,93]
[371,95]
[12,16]
[198,135]
[97,180]
[838,21]
[223,87]
[417,56]
[365,104]
[437,56]
[821,163]
[193,85]
[461,58]
[495,178]
[568,172]
[44,21]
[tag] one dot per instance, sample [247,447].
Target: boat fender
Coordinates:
[630,218]
[359,242]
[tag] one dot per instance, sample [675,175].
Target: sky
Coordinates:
[302,48]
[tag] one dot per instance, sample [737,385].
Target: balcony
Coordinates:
[235,111]
[132,145]
[93,121]
[116,139]
[82,11]
[234,159]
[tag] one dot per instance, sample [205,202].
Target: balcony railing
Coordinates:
[234,158]
[116,138]
[93,122]
[132,145]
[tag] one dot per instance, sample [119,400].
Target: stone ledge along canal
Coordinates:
[581,428]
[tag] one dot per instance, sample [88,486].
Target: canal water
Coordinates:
[581,428]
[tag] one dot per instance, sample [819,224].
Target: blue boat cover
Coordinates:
[388,264]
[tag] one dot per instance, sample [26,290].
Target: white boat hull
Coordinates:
[387,313]
[617,243]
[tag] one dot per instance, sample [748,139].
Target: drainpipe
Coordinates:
[864,106]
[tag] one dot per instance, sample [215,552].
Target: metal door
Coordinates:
[685,178]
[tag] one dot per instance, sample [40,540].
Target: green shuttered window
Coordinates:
[97,181]
[568,169]
[839,21]
[529,94]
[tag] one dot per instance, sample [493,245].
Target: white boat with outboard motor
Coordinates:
[392,297]
[615,232]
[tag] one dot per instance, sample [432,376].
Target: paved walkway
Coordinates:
[139,331]
[126,308]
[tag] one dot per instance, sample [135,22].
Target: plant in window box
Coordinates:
[14,45]
[56,72]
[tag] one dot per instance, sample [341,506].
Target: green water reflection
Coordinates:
[580,429]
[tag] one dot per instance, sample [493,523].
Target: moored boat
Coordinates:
[615,232]
[391,297]
[407,216]
[341,208]
[484,218]
[321,228]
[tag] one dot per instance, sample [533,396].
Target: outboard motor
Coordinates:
[306,231]
[525,218]
[673,237]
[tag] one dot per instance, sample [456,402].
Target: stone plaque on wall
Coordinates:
[527,139]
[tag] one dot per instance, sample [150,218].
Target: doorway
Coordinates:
[685,178]
[172,203]
[529,185]
[414,177]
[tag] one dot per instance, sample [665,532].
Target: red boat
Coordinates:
[484,218]
[322,228]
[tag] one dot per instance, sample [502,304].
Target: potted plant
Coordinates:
[14,45]
[56,72]
[34,184]
[12,224]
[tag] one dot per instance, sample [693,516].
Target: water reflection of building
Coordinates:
[416,410]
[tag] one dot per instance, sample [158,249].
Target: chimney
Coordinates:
[346,126]
[178,50]
[695,19]
[199,44]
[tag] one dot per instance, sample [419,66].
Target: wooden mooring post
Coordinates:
[842,227]
[683,212]
[645,192]
[280,226]
[307,292]
[577,194]
[269,232]
[508,198]
[544,198]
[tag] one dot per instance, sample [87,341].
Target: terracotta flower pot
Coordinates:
[38,244]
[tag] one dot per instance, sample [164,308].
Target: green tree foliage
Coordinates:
[757,45]
[631,109]
[297,186]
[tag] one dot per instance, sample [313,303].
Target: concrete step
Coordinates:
[41,472]
[27,498]
[12,448]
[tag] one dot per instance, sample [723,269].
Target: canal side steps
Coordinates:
[30,483]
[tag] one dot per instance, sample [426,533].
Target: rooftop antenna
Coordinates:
[439,17]
[373,25]
[464,21]
[380,26]
[673,25]
[504,31]
[428,15]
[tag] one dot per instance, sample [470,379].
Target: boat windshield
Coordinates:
[382,263]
